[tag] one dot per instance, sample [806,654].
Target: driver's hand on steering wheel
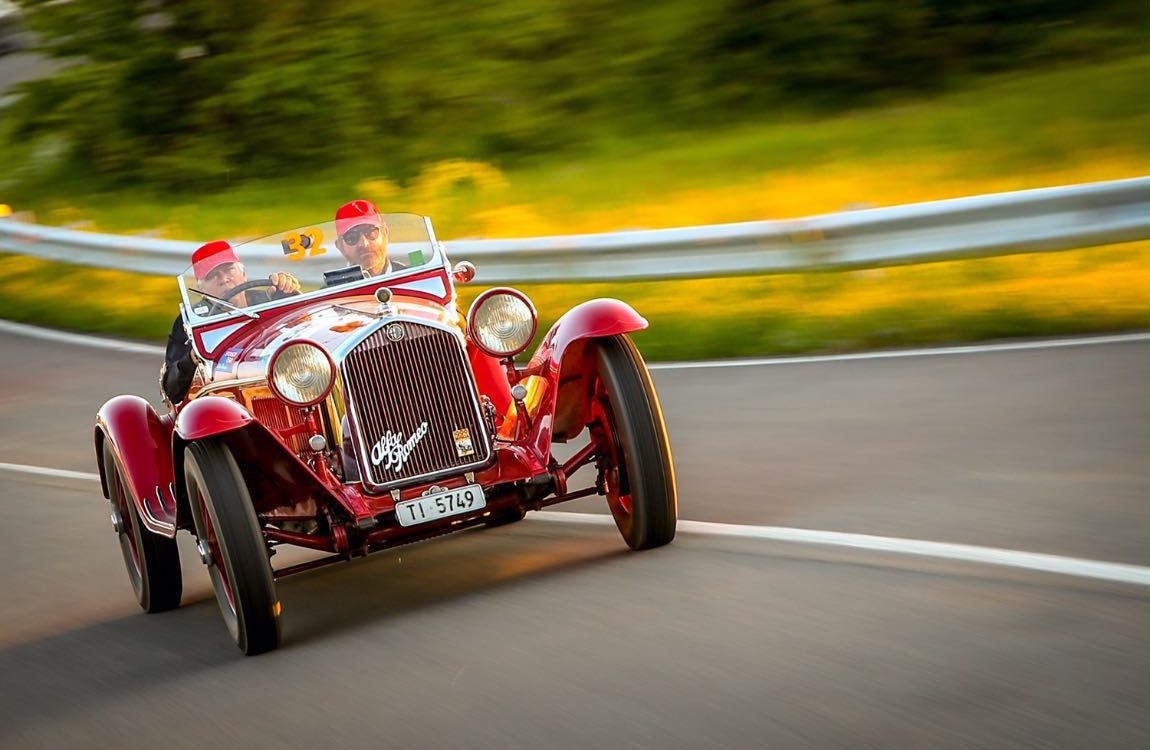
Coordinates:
[285,282]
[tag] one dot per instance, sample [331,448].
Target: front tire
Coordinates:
[634,455]
[153,561]
[236,553]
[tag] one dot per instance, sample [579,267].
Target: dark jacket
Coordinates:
[179,368]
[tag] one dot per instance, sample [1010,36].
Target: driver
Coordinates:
[361,237]
[217,271]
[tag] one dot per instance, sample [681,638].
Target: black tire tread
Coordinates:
[161,578]
[241,542]
[646,447]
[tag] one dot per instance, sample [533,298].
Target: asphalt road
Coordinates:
[549,634]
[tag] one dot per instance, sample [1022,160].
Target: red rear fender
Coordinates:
[141,440]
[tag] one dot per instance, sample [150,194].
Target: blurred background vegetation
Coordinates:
[201,95]
[198,119]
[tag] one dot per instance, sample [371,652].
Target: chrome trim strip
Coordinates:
[425,478]
[152,523]
[444,262]
[433,285]
[356,339]
[157,523]
[226,384]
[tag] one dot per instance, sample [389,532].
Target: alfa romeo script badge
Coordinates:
[392,450]
[396,332]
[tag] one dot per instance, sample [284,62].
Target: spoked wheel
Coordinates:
[153,561]
[634,455]
[232,546]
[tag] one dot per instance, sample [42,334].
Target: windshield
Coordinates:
[228,277]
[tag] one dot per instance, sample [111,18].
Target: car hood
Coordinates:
[336,326]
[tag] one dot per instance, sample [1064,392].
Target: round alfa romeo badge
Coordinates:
[395,332]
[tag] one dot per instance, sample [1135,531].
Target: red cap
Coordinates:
[355,213]
[208,257]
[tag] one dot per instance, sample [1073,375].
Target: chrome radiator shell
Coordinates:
[389,385]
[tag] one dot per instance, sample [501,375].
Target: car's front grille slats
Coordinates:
[394,386]
[278,416]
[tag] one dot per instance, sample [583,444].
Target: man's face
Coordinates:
[365,245]
[223,278]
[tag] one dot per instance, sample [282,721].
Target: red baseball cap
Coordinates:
[355,213]
[208,257]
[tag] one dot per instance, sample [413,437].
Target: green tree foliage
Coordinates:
[196,94]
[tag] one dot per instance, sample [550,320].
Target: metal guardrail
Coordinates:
[1059,218]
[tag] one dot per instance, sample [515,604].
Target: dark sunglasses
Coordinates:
[355,234]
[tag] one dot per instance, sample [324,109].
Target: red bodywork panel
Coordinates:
[208,416]
[559,359]
[591,319]
[142,440]
[490,377]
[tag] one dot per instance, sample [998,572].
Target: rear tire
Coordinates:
[152,560]
[226,525]
[634,454]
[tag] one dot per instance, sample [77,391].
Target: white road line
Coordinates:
[1071,566]
[40,470]
[77,339]
[1122,338]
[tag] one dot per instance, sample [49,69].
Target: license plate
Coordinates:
[440,505]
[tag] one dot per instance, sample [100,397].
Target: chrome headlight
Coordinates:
[502,322]
[301,373]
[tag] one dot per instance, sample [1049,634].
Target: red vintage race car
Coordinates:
[367,411]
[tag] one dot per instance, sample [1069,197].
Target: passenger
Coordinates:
[361,237]
[217,271]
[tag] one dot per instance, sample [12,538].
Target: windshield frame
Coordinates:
[192,319]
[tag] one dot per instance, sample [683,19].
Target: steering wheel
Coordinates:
[249,284]
[216,307]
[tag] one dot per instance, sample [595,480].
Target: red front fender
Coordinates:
[561,361]
[275,475]
[592,319]
[142,442]
[210,415]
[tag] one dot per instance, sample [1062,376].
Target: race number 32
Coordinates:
[300,245]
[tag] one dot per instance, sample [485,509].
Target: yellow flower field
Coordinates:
[1094,289]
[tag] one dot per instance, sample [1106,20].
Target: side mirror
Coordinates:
[464,271]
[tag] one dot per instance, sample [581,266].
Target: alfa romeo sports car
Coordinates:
[368,412]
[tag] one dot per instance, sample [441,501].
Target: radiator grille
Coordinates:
[394,387]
